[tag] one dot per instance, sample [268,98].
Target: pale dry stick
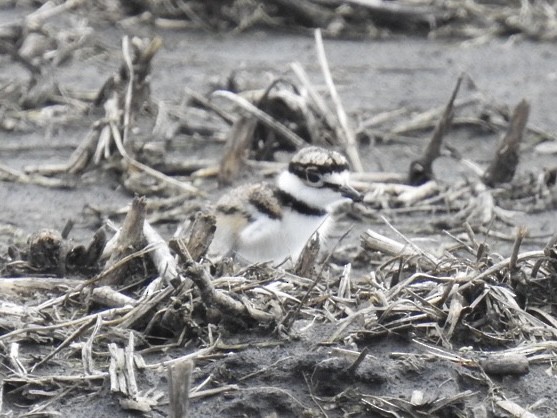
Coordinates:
[428,302]
[361,357]
[417,249]
[378,177]
[39,409]
[215,391]
[87,349]
[401,10]
[162,121]
[45,12]
[130,366]
[107,296]
[514,409]
[14,315]
[428,118]
[113,243]
[314,95]
[58,300]
[418,193]
[30,285]
[296,102]
[380,404]
[59,57]
[500,265]
[262,370]
[189,11]
[239,140]
[162,258]
[506,298]
[504,124]
[144,305]
[294,139]
[79,158]
[422,207]
[548,317]
[471,247]
[7,49]
[21,149]
[11,174]
[187,357]
[380,189]
[115,368]
[18,367]
[171,24]
[129,239]
[70,339]
[276,293]
[129,91]
[471,165]
[179,379]
[49,379]
[521,233]
[489,232]
[102,149]
[148,170]
[206,172]
[221,300]
[306,262]
[208,380]
[531,350]
[350,145]
[345,283]
[110,270]
[473,121]
[344,323]
[288,320]
[350,355]
[381,118]
[210,296]
[429,356]
[413,321]
[74,322]
[456,306]
[201,234]
[378,242]
[209,105]
[445,355]
[312,396]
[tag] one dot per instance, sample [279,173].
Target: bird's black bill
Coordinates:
[351,193]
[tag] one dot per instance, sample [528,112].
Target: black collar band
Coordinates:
[287,200]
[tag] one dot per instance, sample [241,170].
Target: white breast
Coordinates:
[277,240]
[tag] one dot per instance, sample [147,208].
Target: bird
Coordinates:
[273,222]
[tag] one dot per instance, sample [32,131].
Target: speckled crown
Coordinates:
[323,160]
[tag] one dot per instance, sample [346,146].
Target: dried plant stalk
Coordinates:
[503,166]
[421,170]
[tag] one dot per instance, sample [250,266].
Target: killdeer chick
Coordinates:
[261,222]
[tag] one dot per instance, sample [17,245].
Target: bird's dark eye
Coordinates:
[313,177]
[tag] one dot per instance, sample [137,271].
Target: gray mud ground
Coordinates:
[372,77]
